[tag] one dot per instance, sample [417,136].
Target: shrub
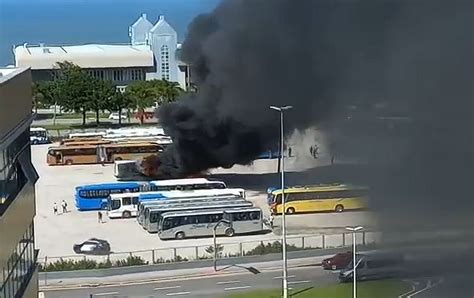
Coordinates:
[84,264]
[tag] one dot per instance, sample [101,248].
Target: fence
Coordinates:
[234,249]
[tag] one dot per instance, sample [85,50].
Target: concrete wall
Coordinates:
[15,99]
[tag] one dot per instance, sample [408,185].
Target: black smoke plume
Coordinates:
[412,59]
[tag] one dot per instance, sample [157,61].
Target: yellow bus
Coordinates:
[102,153]
[318,198]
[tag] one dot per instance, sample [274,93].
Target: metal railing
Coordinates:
[225,250]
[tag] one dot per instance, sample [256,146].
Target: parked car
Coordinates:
[338,261]
[93,246]
[115,116]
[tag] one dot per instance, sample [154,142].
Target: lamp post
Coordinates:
[225,220]
[283,221]
[354,230]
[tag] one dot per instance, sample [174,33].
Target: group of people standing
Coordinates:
[63,206]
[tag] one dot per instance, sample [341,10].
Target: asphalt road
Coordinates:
[213,286]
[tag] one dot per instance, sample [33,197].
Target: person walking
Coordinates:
[55,208]
[271,221]
[64,205]
[99,214]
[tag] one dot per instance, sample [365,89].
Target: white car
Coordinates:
[115,116]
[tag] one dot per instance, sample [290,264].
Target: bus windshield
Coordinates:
[115,204]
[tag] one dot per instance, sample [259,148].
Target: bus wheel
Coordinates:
[290,210]
[126,214]
[179,235]
[339,208]
[229,232]
[103,206]
[69,162]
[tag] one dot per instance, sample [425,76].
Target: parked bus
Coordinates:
[127,205]
[150,198]
[324,197]
[94,196]
[106,153]
[38,135]
[199,223]
[153,214]
[94,134]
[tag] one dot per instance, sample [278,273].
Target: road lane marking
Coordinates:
[428,286]
[106,294]
[280,277]
[178,293]
[298,282]
[237,288]
[167,288]
[228,282]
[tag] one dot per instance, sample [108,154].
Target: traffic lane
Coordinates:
[210,286]
[458,286]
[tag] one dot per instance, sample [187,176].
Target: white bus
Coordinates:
[186,184]
[127,205]
[179,194]
[199,223]
[153,214]
[205,199]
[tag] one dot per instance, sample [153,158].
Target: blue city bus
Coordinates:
[94,196]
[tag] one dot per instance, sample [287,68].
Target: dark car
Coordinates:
[339,261]
[93,246]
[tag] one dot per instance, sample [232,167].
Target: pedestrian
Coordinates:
[64,205]
[289,152]
[99,214]
[271,221]
[311,150]
[55,208]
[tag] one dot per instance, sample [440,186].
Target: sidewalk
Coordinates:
[145,277]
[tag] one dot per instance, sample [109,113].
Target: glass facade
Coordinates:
[12,177]
[20,266]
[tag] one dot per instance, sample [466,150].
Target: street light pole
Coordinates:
[214,236]
[283,200]
[354,230]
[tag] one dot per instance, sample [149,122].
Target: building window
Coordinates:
[16,169]
[165,62]
[118,75]
[20,267]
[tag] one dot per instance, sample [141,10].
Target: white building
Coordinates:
[151,54]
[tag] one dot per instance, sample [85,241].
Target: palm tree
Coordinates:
[170,91]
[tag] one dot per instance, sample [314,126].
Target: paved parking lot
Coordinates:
[56,234]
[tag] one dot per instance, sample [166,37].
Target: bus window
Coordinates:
[115,204]
[127,201]
[135,200]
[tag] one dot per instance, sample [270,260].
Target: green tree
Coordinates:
[120,101]
[75,88]
[102,93]
[169,91]
[144,95]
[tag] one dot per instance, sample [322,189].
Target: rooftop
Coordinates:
[86,56]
